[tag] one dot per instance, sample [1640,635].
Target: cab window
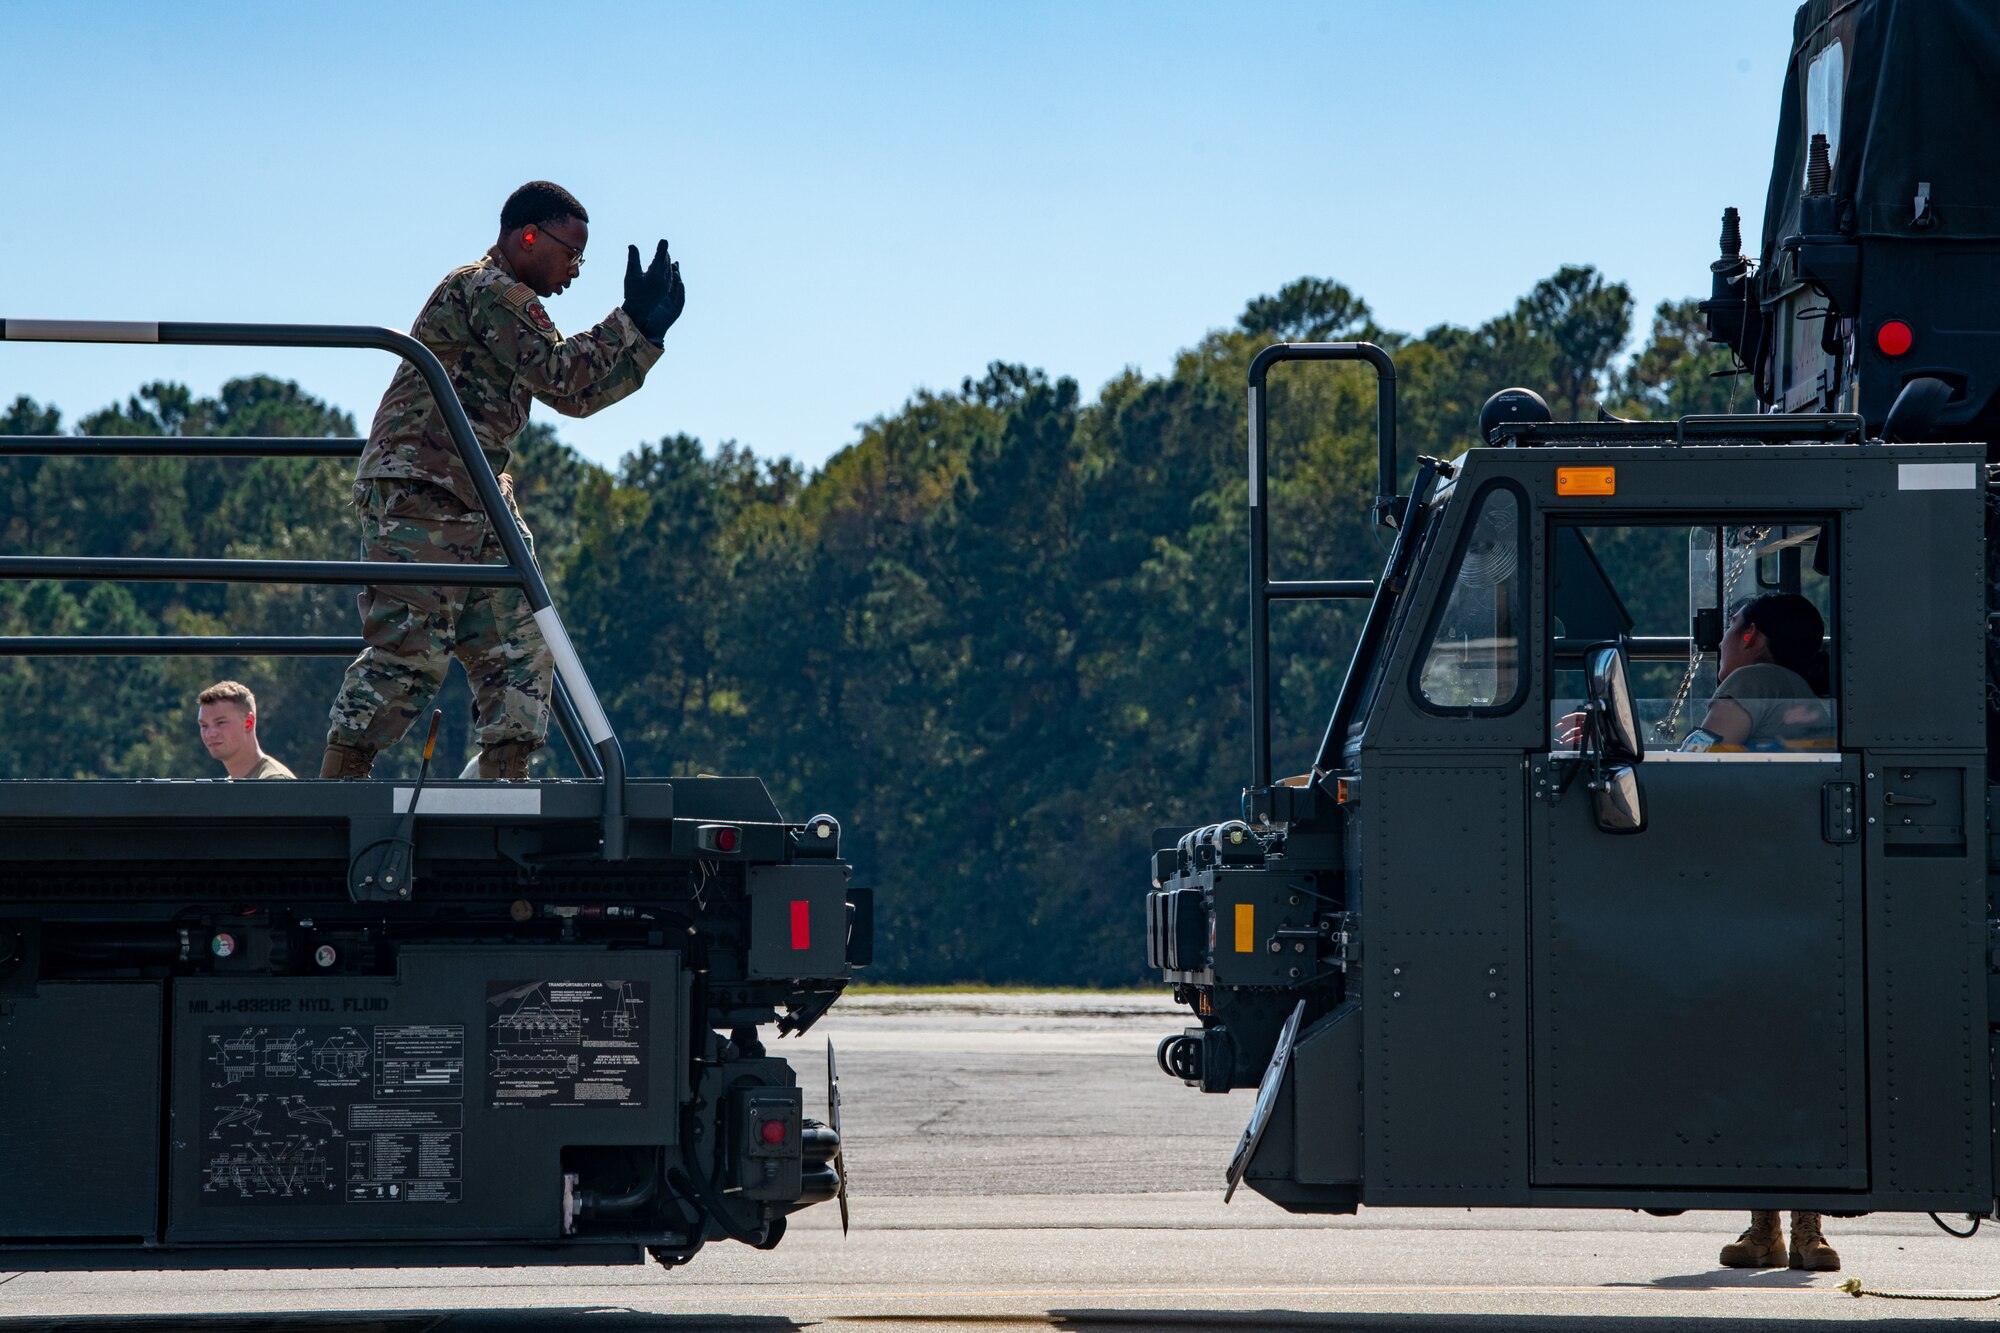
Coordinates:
[1664,588]
[1472,657]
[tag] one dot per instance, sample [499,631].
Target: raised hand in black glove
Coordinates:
[670,309]
[653,298]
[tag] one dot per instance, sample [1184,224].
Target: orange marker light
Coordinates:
[1586,481]
[1246,928]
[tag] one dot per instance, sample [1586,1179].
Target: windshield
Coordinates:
[1472,661]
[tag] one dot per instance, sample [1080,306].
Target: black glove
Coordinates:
[653,298]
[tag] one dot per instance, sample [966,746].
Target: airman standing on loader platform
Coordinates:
[486,324]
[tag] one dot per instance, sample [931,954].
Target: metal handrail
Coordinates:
[178,645]
[260,645]
[519,571]
[181,446]
[173,569]
[1263,589]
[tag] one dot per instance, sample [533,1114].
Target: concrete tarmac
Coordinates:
[1019,1163]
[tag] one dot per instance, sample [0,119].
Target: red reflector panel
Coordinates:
[718,837]
[773,1132]
[801,924]
[1894,337]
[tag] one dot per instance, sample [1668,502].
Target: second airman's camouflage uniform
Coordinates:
[418,503]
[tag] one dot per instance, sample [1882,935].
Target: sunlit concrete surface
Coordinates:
[1018,1162]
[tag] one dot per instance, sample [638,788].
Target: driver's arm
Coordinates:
[1727,721]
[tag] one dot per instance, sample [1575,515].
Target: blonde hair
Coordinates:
[229,692]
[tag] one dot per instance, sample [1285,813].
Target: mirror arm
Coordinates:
[1589,754]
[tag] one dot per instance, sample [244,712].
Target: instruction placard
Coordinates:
[321,1113]
[566,1043]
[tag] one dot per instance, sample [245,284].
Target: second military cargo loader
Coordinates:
[311,1024]
[1530,932]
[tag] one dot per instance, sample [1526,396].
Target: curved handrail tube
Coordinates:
[1385,399]
[179,446]
[178,645]
[173,569]
[521,569]
[1263,591]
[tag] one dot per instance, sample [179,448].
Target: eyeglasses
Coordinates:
[575,252]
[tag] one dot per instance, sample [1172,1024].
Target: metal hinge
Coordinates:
[1840,806]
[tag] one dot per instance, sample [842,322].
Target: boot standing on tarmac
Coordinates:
[486,324]
[1763,1245]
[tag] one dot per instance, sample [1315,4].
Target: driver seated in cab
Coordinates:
[1772,681]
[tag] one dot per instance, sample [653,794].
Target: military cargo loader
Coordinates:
[312,1024]
[1524,933]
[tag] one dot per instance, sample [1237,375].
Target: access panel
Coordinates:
[80,1110]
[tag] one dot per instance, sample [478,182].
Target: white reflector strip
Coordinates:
[570,667]
[1742,757]
[1255,499]
[82,331]
[508,800]
[1937,476]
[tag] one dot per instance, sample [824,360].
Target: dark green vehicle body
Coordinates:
[1774,995]
[1779,991]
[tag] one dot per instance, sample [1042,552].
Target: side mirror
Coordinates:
[1609,685]
[1618,802]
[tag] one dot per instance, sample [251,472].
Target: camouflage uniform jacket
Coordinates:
[500,350]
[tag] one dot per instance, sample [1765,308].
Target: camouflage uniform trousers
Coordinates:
[413,632]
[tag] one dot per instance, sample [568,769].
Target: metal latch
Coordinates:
[1346,939]
[1839,819]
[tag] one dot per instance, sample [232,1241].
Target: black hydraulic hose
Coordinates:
[82,942]
[691,1182]
[704,1189]
[684,1190]
[1966,1234]
[599,1203]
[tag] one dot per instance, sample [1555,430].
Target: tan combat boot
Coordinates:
[505,761]
[1809,1249]
[347,761]
[1762,1246]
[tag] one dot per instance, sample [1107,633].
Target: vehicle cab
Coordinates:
[1488,953]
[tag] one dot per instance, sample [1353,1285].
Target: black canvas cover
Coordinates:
[1912,95]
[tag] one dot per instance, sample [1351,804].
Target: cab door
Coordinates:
[1698,1015]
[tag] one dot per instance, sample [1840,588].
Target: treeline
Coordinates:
[1000,636]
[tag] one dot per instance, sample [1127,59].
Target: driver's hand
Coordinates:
[1569,730]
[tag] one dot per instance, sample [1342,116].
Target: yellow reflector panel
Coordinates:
[1246,928]
[1586,481]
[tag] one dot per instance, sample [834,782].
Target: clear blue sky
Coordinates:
[866,199]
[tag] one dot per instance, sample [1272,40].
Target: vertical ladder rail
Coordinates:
[1263,589]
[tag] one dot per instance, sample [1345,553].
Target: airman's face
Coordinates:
[225,729]
[551,254]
